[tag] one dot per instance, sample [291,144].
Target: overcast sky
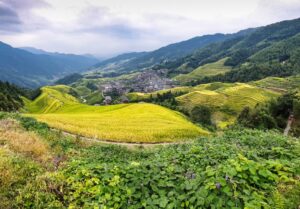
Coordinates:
[108,27]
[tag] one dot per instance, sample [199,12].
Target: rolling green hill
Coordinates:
[207,70]
[126,122]
[138,61]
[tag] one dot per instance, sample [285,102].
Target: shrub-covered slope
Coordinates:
[240,169]
[139,61]
[268,51]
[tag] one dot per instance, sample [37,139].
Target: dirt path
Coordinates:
[127,144]
[288,125]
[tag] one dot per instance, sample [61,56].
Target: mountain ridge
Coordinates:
[32,70]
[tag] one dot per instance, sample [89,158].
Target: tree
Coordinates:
[201,114]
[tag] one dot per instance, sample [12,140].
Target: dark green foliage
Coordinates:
[166,99]
[32,124]
[241,169]
[267,51]
[273,115]
[238,57]
[92,86]
[164,57]
[250,72]
[69,79]
[257,119]
[10,97]
[201,114]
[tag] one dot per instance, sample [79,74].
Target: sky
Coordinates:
[106,28]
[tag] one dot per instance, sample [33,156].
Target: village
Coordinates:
[114,91]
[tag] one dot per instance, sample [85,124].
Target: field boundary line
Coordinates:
[127,144]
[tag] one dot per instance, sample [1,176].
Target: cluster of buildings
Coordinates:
[146,81]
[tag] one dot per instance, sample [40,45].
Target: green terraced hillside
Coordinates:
[291,83]
[226,100]
[207,70]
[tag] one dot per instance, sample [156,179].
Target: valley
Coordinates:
[211,122]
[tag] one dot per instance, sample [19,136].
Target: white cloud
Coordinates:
[109,27]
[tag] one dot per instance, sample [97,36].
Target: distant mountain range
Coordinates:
[272,50]
[138,61]
[31,67]
[250,54]
[40,51]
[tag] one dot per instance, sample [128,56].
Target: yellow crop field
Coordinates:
[145,123]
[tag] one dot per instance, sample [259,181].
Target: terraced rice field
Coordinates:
[279,84]
[145,123]
[226,100]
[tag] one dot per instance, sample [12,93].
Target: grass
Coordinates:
[21,141]
[204,71]
[145,123]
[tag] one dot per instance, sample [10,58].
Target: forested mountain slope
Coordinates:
[268,51]
[10,97]
[138,61]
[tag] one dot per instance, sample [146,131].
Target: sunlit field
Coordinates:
[226,100]
[207,70]
[143,122]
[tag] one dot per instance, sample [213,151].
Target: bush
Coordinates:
[272,115]
[32,124]
[241,169]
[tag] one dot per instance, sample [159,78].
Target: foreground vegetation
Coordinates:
[240,169]
[126,122]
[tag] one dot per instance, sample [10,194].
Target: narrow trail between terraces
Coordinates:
[127,144]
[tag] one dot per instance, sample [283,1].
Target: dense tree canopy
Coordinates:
[10,97]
